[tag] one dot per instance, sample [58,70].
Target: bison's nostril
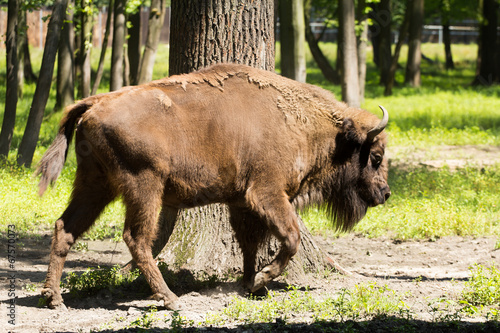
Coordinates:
[387,195]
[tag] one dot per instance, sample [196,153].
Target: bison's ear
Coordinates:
[348,140]
[351,133]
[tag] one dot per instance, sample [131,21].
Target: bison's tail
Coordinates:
[52,162]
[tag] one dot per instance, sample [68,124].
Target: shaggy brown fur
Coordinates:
[263,144]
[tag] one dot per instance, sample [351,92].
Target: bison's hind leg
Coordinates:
[281,220]
[142,197]
[250,232]
[90,195]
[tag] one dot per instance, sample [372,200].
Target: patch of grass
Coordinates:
[429,204]
[93,280]
[146,320]
[483,288]
[362,302]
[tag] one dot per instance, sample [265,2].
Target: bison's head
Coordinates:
[360,179]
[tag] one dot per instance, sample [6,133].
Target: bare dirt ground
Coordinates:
[426,270]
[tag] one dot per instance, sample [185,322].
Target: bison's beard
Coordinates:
[344,205]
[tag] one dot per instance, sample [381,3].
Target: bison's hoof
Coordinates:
[53,299]
[171,303]
[260,280]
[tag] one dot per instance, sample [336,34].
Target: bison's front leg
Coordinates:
[281,219]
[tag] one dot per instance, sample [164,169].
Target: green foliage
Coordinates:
[146,320]
[364,301]
[430,203]
[94,280]
[483,288]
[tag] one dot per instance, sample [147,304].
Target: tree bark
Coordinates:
[361,42]
[104,46]
[202,239]
[324,65]
[414,41]
[292,39]
[350,75]
[22,40]
[246,35]
[118,42]
[487,72]
[403,32]
[134,46]
[32,131]
[85,47]
[9,118]
[65,90]
[155,24]
[385,40]
[449,64]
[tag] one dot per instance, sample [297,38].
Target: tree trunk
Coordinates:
[9,118]
[403,32]
[32,131]
[134,46]
[65,90]
[292,39]
[350,75]
[118,42]
[155,23]
[85,47]
[202,239]
[29,75]
[447,46]
[22,40]
[246,35]
[414,41]
[324,65]
[385,40]
[361,41]
[100,67]
[487,54]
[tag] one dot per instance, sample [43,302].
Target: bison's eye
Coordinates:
[376,159]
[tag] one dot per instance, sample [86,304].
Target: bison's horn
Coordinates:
[380,127]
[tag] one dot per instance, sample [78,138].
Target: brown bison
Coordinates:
[260,143]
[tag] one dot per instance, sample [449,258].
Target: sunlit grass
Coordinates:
[430,203]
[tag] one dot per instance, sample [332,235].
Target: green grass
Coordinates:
[427,204]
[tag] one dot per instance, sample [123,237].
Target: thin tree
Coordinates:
[21,39]
[412,75]
[134,44]
[384,51]
[350,75]
[9,118]
[487,60]
[445,9]
[116,80]
[292,39]
[85,47]
[32,131]
[104,46]
[202,239]
[321,60]
[65,85]
[361,42]
[155,24]
[403,32]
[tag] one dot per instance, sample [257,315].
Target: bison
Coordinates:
[263,144]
